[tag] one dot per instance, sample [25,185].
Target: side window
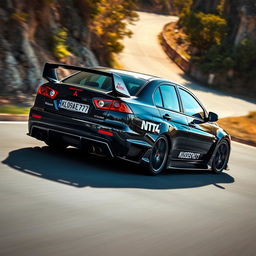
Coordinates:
[170,98]
[158,98]
[190,105]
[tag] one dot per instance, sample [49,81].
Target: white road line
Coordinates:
[13,122]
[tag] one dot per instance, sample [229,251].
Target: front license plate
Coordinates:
[74,106]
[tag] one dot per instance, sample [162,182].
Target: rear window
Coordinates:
[104,83]
[91,81]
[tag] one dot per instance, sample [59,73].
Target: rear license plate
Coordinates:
[74,106]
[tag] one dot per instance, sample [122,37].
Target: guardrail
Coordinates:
[181,61]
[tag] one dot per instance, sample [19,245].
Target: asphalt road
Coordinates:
[143,53]
[66,203]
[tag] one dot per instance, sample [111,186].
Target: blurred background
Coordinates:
[212,42]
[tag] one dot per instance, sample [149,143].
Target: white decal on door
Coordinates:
[151,127]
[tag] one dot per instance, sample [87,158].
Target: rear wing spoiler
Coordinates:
[119,87]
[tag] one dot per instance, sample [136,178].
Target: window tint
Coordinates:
[158,98]
[190,105]
[170,98]
[91,80]
[133,84]
[104,83]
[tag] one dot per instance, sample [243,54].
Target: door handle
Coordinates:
[167,117]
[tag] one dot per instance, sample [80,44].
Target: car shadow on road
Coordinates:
[73,167]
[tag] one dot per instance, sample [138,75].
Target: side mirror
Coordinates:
[212,117]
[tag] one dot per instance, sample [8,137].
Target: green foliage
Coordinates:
[208,33]
[245,55]
[240,58]
[60,50]
[182,5]
[14,109]
[220,7]
[110,23]
[216,58]
[204,30]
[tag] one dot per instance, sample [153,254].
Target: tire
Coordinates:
[158,156]
[221,156]
[56,145]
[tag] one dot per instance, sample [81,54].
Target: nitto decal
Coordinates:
[189,155]
[151,127]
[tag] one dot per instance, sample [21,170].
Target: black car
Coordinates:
[131,116]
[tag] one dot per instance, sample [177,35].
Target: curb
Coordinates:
[13,117]
[177,58]
[247,142]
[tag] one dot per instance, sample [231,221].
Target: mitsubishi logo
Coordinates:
[75,93]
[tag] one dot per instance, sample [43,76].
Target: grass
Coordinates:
[14,109]
[242,127]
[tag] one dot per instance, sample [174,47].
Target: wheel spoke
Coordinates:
[161,146]
[221,156]
[158,154]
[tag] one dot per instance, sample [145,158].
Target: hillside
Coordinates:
[67,31]
[219,40]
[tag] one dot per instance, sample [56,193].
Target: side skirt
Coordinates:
[207,168]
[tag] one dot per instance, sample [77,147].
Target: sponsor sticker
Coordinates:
[189,155]
[150,127]
[120,87]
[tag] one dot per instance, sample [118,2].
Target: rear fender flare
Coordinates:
[216,146]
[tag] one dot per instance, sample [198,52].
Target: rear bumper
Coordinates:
[80,133]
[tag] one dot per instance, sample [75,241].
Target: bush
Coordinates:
[60,50]
[181,5]
[241,58]
[245,55]
[203,30]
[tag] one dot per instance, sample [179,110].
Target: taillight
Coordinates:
[47,91]
[36,116]
[114,105]
[105,132]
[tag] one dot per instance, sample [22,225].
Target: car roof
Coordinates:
[142,76]
[137,75]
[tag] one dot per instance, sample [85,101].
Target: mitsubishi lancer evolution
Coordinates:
[135,117]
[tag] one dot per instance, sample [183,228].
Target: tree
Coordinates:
[110,24]
[204,30]
[181,5]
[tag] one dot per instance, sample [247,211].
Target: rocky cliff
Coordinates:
[241,15]
[231,62]
[28,31]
